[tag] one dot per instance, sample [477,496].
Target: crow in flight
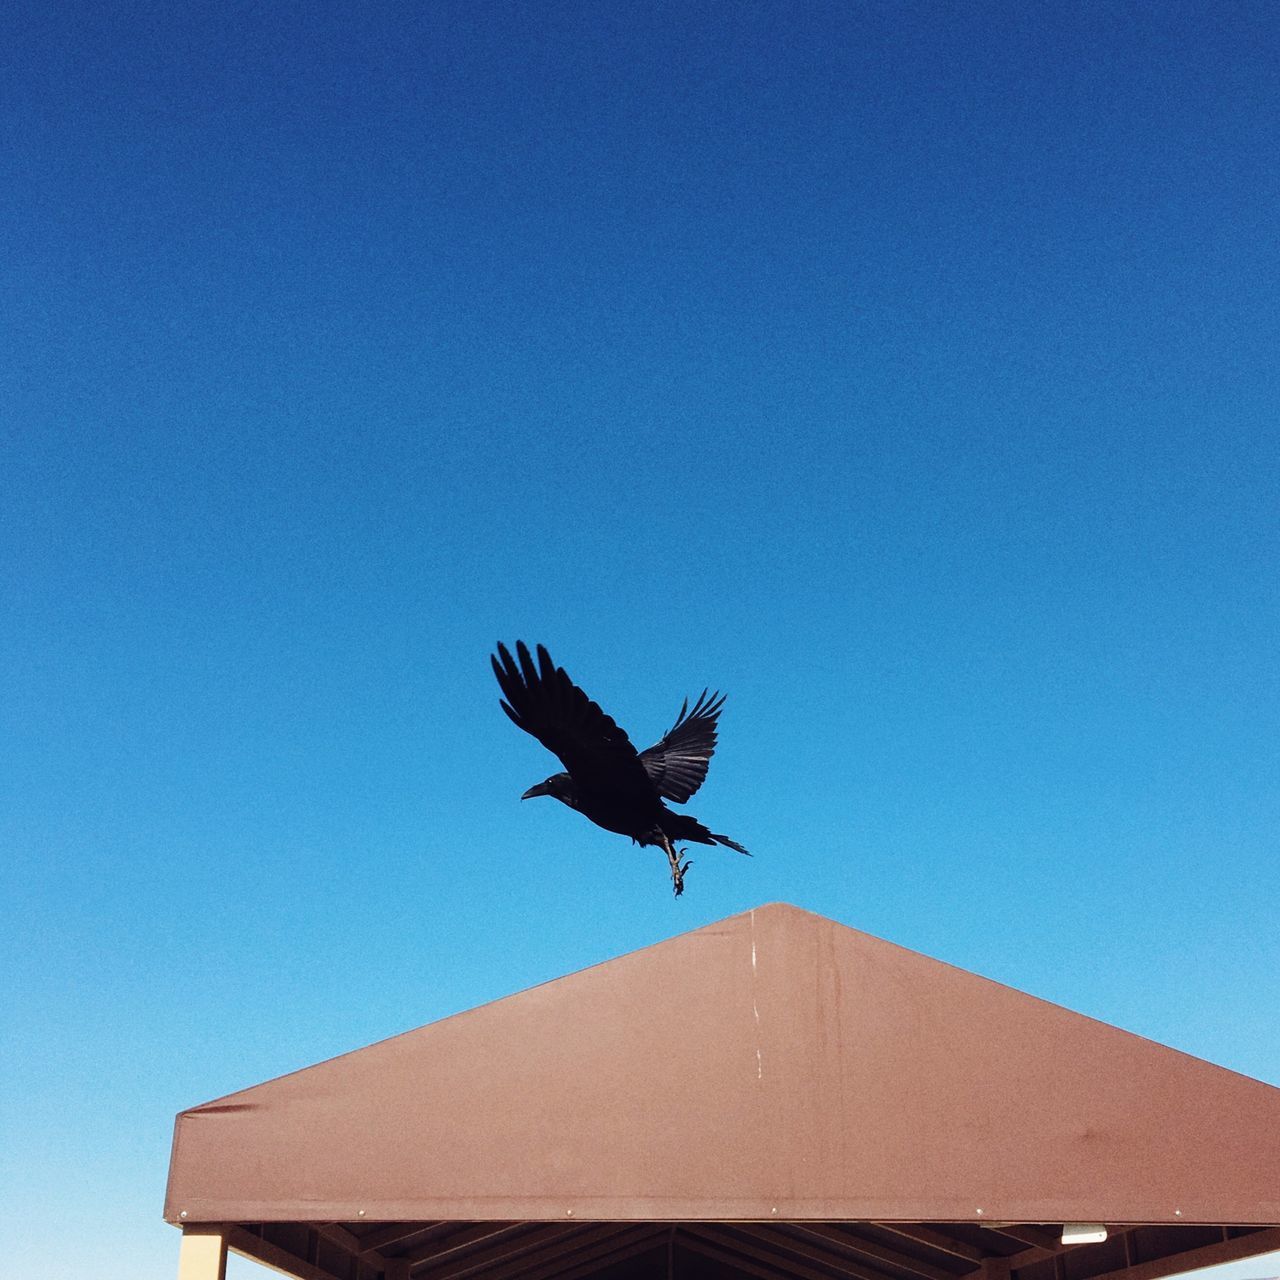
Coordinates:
[607,779]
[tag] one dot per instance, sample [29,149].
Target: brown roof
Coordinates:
[775,1067]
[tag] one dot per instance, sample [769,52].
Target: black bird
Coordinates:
[607,779]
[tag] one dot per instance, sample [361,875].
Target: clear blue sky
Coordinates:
[908,371]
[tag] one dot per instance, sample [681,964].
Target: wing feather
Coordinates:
[542,700]
[677,765]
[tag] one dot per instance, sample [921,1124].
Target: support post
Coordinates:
[203,1255]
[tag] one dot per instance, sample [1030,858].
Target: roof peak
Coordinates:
[775,1063]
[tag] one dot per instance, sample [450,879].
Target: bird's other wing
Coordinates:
[543,701]
[678,764]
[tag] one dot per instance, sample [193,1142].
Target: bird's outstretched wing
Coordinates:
[678,764]
[543,701]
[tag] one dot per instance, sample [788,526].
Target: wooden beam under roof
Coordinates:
[934,1239]
[525,1241]
[850,1239]
[735,1237]
[592,1253]
[463,1238]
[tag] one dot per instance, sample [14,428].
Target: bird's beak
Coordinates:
[539,790]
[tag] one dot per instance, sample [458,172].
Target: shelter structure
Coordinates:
[772,1097]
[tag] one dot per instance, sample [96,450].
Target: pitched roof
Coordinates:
[775,1065]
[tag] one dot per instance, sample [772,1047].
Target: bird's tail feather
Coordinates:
[682,826]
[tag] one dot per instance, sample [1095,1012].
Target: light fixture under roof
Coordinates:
[1083,1233]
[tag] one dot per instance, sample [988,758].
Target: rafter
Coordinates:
[787,1242]
[273,1255]
[738,1240]
[878,1252]
[393,1233]
[695,1244]
[504,1242]
[337,1234]
[1243,1246]
[555,1253]
[440,1249]
[934,1239]
[624,1242]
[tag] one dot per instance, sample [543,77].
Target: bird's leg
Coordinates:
[677,868]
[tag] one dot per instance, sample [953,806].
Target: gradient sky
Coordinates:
[908,371]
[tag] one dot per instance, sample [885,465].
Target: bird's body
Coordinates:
[606,779]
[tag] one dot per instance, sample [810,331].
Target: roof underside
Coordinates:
[735,1251]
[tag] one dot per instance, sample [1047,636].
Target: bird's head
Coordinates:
[559,785]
